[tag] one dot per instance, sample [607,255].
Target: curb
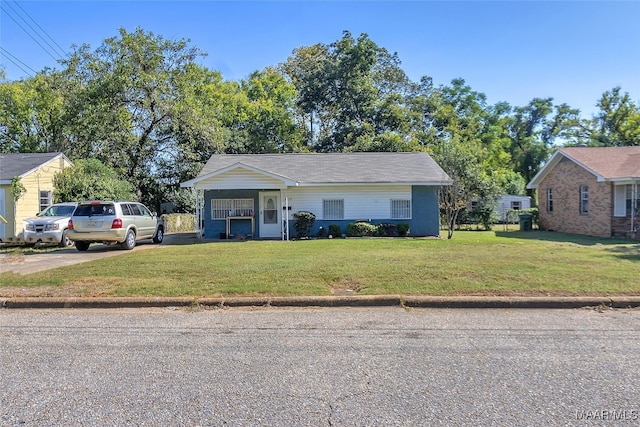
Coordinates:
[328,301]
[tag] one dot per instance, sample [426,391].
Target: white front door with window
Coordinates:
[270,214]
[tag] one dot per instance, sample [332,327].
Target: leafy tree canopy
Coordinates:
[90,180]
[143,106]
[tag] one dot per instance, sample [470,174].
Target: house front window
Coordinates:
[222,208]
[516,205]
[584,199]
[549,200]
[400,209]
[45,199]
[333,209]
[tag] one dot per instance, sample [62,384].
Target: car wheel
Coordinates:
[65,242]
[82,246]
[159,235]
[130,241]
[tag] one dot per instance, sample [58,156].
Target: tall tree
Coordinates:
[267,122]
[617,123]
[32,114]
[127,100]
[533,129]
[453,121]
[306,69]
[353,94]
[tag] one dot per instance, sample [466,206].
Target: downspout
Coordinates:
[634,204]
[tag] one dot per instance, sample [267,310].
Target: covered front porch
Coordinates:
[626,212]
[241,201]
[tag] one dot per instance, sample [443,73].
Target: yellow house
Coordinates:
[35,171]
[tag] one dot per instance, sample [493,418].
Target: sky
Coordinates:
[512,51]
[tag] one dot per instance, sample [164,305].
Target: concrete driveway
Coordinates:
[35,262]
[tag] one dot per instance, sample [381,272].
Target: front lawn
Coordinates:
[472,263]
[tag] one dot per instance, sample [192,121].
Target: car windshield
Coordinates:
[92,210]
[58,210]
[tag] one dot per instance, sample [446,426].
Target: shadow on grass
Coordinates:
[631,253]
[621,248]
[577,239]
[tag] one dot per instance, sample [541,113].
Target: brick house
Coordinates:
[590,190]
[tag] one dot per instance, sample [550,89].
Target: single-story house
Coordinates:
[257,194]
[35,172]
[590,190]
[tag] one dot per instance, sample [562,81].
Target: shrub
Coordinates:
[388,230]
[403,229]
[304,223]
[361,229]
[335,230]
[486,215]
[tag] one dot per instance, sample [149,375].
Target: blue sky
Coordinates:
[512,51]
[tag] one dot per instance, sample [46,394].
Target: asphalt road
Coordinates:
[315,367]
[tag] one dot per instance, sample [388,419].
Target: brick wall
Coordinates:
[565,180]
[621,227]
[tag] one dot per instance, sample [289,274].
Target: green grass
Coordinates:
[472,263]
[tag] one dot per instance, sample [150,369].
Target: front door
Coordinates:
[270,214]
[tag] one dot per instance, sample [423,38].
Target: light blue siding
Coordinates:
[425,211]
[214,227]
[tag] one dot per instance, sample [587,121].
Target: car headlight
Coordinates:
[51,227]
[29,227]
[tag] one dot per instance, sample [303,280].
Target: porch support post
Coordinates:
[285,236]
[199,214]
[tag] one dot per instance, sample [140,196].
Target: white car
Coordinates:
[50,226]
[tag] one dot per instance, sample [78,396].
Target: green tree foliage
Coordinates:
[616,124]
[454,124]
[126,102]
[32,115]
[266,123]
[17,189]
[353,95]
[533,129]
[145,108]
[90,180]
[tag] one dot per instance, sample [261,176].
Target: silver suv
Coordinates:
[50,225]
[119,222]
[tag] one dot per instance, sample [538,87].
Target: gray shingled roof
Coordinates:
[17,164]
[338,168]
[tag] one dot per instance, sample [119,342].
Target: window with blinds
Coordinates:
[45,199]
